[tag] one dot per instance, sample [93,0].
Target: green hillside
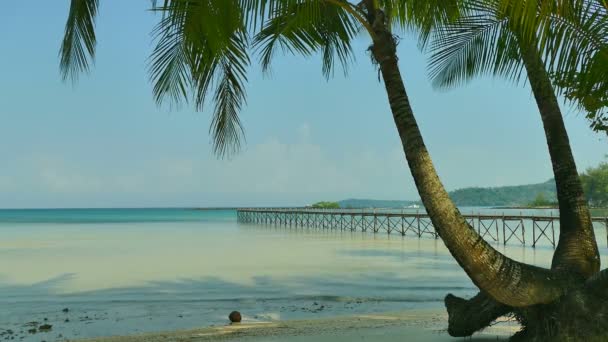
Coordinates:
[368,203]
[504,195]
[519,195]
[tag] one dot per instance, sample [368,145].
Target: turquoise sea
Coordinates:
[125,271]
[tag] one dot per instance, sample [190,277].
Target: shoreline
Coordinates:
[419,325]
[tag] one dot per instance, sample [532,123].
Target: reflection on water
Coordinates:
[129,275]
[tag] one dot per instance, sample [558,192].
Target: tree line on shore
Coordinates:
[594,181]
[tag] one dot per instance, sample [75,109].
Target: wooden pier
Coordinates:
[493,228]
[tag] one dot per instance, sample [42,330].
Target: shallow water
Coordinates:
[128,271]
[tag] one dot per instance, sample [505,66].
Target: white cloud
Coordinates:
[304,132]
[272,172]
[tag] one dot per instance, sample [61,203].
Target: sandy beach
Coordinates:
[413,325]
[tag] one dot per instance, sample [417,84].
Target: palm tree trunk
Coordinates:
[503,279]
[466,317]
[577,249]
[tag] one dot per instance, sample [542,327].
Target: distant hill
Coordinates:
[369,203]
[504,195]
[519,195]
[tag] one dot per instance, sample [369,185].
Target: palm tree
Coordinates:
[487,39]
[579,56]
[203,46]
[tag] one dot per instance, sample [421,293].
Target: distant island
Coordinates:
[327,205]
[353,203]
[541,194]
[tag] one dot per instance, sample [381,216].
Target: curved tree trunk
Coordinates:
[576,250]
[503,279]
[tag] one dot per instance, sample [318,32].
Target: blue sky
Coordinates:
[104,143]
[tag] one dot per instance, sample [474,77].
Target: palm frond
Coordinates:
[169,67]
[575,40]
[306,28]
[477,43]
[421,16]
[230,96]
[78,46]
[226,129]
[202,47]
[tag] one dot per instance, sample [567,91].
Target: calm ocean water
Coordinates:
[124,271]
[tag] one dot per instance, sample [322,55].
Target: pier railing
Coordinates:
[492,227]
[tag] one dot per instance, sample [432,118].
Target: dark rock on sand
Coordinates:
[235,317]
[45,327]
[6,332]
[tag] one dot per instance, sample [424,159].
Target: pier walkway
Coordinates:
[492,227]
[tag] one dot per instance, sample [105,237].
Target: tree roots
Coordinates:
[579,315]
[469,316]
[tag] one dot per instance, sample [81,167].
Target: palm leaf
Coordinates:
[230,96]
[202,47]
[309,27]
[78,45]
[169,68]
[478,43]
[575,36]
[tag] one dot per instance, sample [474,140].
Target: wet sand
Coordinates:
[418,325]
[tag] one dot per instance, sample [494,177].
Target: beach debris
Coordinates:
[66,320]
[32,331]
[45,319]
[7,333]
[45,327]
[65,310]
[235,317]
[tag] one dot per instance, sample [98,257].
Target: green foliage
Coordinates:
[369,203]
[306,28]
[204,48]
[595,185]
[503,196]
[79,41]
[480,42]
[577,54]
[326,205]
[594,180]
[542,201]
[572,35]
